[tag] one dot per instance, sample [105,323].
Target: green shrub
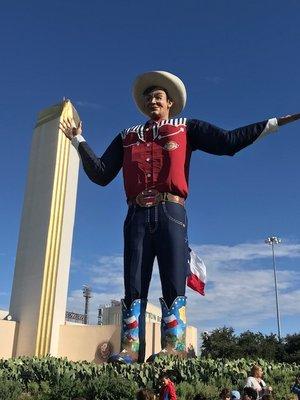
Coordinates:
[110,388]
[51,378]
[9,390]
[187,391]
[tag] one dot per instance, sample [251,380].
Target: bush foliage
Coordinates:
[51,378]
[223,343]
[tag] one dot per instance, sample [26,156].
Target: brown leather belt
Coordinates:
[152,197]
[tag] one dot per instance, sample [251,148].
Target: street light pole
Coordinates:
[272,241]
[87,294]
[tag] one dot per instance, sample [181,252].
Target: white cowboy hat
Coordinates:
[173,85]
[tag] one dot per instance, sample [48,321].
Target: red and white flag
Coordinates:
[171,321]
[196,278]
[131,322]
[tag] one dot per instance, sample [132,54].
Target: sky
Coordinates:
[240,63]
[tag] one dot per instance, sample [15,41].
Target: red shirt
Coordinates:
[168,392]
[156,156]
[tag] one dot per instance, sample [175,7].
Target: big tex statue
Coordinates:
[155,158]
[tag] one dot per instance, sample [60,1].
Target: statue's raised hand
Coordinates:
[70,129]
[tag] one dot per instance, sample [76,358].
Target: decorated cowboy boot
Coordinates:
[132,333]
[173,329]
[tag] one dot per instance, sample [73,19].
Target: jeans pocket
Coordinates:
[175,212]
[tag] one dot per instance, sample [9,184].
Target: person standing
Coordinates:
[155,158]
[256,382]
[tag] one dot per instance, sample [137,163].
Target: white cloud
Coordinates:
[240,290]
[245,251]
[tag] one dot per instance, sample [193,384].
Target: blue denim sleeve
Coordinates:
[212,139]
[102,170]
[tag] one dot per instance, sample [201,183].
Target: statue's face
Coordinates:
[157,104]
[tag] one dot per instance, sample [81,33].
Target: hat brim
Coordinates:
[173,85]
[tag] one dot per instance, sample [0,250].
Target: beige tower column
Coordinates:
[40,284]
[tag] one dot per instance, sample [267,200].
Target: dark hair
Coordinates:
[151,88]
[144,394]
[249,391]
[225,393]
[165,375]
[199,397]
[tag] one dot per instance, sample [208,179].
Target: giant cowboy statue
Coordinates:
[155,158]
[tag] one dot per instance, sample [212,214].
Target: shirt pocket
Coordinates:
[169,138]
[133,151]
[166,132]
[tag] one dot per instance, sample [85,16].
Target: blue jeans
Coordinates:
[159,231]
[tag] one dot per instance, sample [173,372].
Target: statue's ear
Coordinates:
[170,103]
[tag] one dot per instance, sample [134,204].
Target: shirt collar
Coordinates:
[151,122]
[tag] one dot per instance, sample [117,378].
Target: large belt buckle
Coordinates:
[148,198]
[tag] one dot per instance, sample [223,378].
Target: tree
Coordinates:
[257,345]
[292,348]
[221,343]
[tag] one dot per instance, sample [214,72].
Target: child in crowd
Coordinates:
[167,391]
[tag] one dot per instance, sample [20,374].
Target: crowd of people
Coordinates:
[255,389]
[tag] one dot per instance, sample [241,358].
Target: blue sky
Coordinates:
[240,63]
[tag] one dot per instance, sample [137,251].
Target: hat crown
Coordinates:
[170,82]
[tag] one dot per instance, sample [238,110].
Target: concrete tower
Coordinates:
[39,294]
